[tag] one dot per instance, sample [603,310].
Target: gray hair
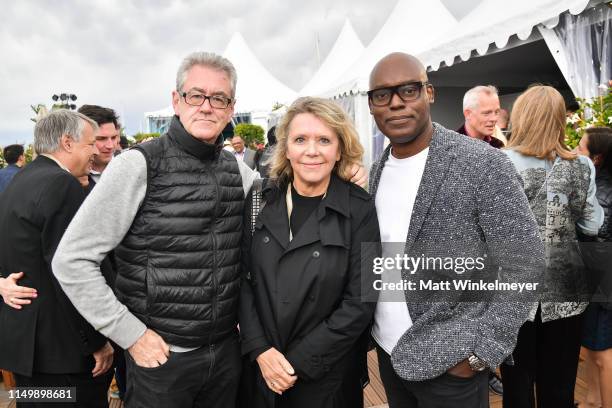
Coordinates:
[207,59]
[470,99]
[49,129]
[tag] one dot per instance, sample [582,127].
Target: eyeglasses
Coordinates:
[407,92]
[197,99]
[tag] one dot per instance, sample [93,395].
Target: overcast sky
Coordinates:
[124,54]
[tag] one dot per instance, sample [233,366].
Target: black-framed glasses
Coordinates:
[407,92]
[195,98]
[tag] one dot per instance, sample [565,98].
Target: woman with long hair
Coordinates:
[303,320]
[560,187]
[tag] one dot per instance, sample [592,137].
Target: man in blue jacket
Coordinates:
[15,159]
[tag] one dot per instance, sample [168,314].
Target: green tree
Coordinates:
[251,134]
[28,153]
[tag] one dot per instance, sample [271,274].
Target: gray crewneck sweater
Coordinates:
[97,228]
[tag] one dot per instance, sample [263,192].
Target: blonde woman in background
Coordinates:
[560,187]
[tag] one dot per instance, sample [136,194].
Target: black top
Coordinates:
[303,206]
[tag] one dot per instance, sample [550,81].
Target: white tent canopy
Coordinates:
[495,21]
[347,48]
[257,90]
[411,27]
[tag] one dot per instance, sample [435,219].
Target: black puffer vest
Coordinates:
[178,266]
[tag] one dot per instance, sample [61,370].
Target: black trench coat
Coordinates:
[304,297]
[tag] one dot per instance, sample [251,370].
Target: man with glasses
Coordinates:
[171,209]
[437,195]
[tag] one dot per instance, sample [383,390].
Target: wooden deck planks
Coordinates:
[374,393]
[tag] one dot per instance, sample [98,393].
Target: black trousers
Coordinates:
[203,378]
[445,391]
[546,355]
[90,392]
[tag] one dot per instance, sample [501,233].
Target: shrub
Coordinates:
[251,134]
[594,112]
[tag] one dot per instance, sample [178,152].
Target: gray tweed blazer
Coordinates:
[470,203]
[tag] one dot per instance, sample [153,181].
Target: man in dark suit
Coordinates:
[242,152]
[48,343]
[441,195]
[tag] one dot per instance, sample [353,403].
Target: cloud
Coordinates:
[124,54]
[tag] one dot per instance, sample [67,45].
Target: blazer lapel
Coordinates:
[377,169]
[438,161]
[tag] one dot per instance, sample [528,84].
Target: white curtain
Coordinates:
[582,47]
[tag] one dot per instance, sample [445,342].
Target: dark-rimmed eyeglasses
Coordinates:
[194,98]
[407,92]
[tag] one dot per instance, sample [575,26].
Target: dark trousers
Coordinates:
[206,377]
[90,392]
[546,355]
[445,391]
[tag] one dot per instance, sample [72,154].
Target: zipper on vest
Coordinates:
[214,255]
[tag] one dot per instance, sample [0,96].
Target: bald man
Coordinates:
[439,196]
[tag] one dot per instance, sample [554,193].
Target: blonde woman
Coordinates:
[302,317]
[560,187]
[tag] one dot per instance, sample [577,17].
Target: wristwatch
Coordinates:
[476,364]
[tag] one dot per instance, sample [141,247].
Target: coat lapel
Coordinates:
[324,223]
[274,217]
[308,234]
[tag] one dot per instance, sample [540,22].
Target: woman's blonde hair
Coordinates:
[538,124]
[333,117]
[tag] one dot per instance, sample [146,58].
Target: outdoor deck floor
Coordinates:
[374,393]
